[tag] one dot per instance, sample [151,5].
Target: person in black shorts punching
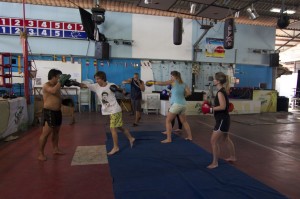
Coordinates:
[137,86]
[222,118]
[52,116]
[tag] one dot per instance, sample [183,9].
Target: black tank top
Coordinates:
[223,113]
[136,93]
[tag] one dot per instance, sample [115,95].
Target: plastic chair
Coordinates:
[85,96]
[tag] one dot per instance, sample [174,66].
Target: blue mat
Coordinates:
[151,170]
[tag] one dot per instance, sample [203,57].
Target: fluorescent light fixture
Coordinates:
[193,8]
[147,1]
[275,10]
[252,13]
[278,10]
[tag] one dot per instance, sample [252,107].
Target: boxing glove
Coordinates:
[206,102]
[164,92]
[230,107]
[63,78]
[114,89]
[71,82]
[169,87]
[206,108]
[150,83]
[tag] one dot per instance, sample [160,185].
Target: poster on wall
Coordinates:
[215,48]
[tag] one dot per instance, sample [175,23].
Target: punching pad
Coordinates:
[229,33]
[177,31]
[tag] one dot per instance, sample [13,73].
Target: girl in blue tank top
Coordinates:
[178,104]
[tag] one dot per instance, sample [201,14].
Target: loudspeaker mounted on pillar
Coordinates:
[297,91]
[229,33]
[177,31]
[274,59]
[101,50]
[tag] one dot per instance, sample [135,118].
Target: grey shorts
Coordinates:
[177,109]
[136,105]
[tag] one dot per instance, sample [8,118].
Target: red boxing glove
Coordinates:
[231,107]
[206,108]
[206,102]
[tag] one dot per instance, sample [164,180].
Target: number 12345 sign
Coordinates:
[42,28]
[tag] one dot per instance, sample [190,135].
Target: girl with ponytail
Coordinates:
[222,118]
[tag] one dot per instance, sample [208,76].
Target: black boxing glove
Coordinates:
[114,89]
[71,82]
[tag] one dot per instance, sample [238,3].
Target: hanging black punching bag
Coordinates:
[283,21]
[177,31]
[229,33]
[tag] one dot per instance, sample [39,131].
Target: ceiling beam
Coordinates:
[288,45]
[284,36]
[288,38]
[278,4]
[287,42]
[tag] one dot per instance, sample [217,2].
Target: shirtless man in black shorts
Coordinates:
[52,116]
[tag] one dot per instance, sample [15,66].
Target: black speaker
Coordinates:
[101,50]
[177,31]
[196,96]
[274,59]
[297,93]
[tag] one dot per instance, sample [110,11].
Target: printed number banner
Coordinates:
[42,28]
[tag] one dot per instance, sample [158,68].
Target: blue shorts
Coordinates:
[177,109]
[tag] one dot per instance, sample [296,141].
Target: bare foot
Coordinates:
[42,158]
[212,166]
[231,159]
[113,151]
[166,141]
[178,130]
[58,152]
[132,142]
[165,132]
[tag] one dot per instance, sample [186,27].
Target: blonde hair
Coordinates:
[177,75]
[223,79]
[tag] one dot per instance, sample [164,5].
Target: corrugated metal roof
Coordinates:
[205,9]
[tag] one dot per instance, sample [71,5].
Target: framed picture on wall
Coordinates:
[215,48]
[38,81]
